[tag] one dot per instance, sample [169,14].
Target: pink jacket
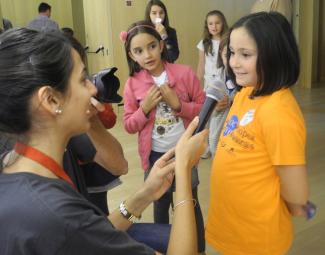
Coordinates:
[187,86]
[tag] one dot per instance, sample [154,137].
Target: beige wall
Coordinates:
[98,32]
[308,42]
[315,42]
[20,12]
[78,20]
[1,24]
[321,45]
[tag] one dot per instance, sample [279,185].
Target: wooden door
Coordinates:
[98,33]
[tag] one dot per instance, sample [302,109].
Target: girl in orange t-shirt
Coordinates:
[259,177]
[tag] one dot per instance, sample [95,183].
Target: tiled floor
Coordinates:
[308,234]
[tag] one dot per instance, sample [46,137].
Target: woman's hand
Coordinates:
[94,108]
[151,99]
[190,147]
[161,176]
[188,151]
[170,97]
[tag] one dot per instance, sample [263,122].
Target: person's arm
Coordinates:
[160,28]
[200,67]
[170,97]
[137,111]
[109,152]
[191,106]
[157,183]
[152,98]
[135,204]
[172,45]
[284,135]
[294,187]
[183,232]
[223,104]
[183,237]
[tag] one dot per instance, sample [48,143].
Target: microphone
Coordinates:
[213,94]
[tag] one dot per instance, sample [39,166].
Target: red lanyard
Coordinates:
[44,160]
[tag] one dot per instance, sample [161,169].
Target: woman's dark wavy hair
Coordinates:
[29,59]
[77,46]
[135,29]
[278,61]
[207,37]
[162,6]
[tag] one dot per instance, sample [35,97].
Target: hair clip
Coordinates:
[123,36]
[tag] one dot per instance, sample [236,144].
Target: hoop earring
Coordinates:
[58,111]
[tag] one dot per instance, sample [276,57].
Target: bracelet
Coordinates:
[126,214]
[184,201]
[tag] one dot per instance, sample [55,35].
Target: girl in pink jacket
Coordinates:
[160,100]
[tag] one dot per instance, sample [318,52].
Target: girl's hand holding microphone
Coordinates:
[223,103]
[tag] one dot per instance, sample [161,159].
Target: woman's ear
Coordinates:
[49,99]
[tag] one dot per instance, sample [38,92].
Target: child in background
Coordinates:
[160,100]
[156,13]
[259,175]
[224,83]
[215,26]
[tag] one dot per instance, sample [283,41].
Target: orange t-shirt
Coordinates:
[247,214]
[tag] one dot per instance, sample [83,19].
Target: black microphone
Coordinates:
[213,95]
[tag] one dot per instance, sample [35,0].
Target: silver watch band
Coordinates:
[126,214]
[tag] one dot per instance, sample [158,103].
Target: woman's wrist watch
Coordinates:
[127,215]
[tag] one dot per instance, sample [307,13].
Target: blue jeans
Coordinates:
[153,235]
[161,206]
